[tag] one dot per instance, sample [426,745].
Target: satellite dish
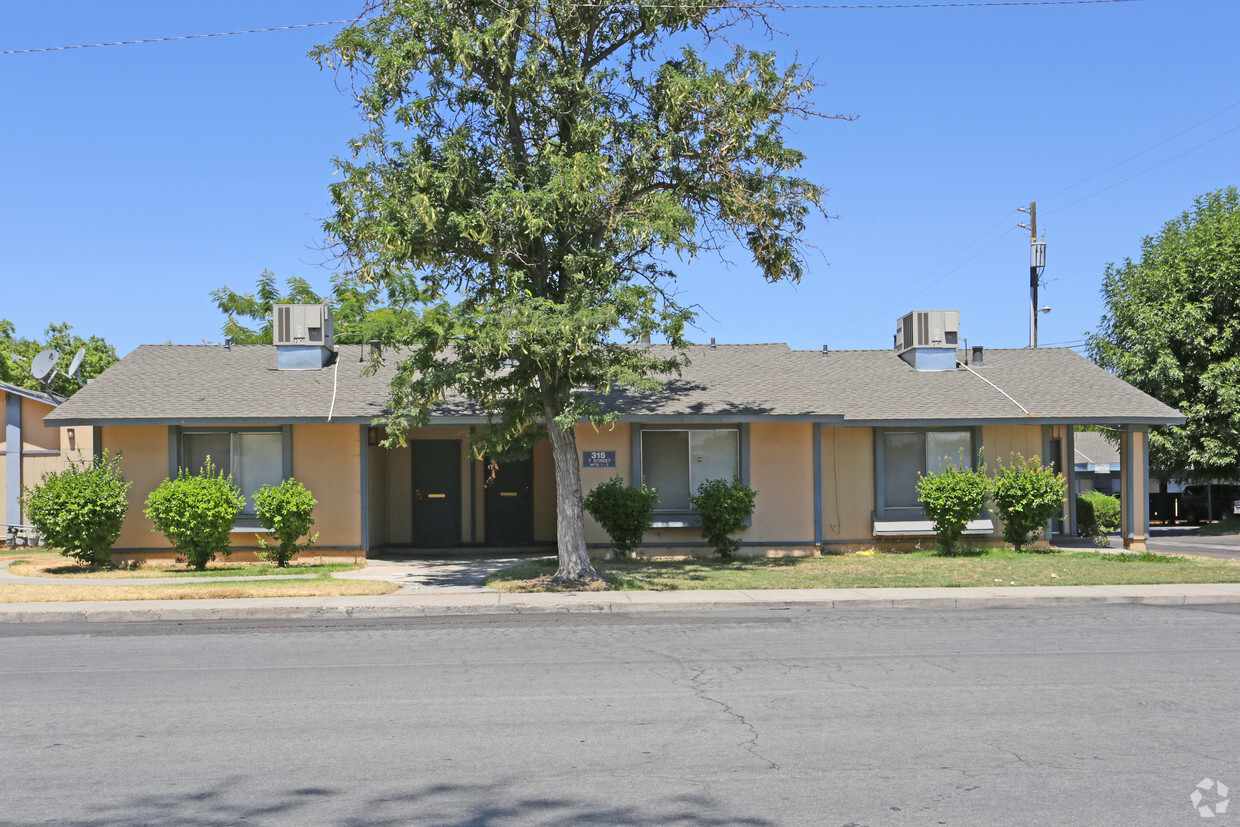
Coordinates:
[76,365]
[43,363]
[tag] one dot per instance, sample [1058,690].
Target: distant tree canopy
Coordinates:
[357,315]
[99,356]
[1172,329]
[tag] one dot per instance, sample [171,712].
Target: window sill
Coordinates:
[676,519]
[925,528]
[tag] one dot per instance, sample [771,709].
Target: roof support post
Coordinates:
[1073,483]
[13,459]
[817,426]
[1134,493]
[364,468]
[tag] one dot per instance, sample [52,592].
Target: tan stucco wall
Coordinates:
[1001,442]
[614,437]
[847,484]
[399,497]
[781,469]
[377,491]
[144,463]
[327,459]
[35,435]
[544,492]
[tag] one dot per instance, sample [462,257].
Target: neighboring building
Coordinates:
[1097,464]
[834,443]
[30,449]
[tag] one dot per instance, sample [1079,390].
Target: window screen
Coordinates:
[909,454]
[252,458]
[713,455]
[197,447]
[258,460]
[677,462]
[665,466]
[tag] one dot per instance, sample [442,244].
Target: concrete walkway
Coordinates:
[444,603]
[435,575]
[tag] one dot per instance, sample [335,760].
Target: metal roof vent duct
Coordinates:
[927,339]
[304,335]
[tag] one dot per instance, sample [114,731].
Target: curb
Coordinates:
[446,605]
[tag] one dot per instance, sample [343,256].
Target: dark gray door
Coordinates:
[509,504]
[436,491]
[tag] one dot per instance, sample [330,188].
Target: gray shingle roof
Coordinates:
[200,383]
[1094,448]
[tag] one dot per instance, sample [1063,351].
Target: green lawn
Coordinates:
[994,568]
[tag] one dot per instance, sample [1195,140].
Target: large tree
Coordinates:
[526,170]
[99,357]
[1172,329]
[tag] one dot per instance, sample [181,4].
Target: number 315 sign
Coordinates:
[598,459]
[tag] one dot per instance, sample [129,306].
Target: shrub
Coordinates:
[287,511]
[952,498]
[196,512]
[624,512]
[1097,515]
[1027,495]
[724,506]
[81,509]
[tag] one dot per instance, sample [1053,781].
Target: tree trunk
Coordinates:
[570,528]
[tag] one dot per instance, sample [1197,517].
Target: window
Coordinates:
[253,458]
[906,455]
[676,462]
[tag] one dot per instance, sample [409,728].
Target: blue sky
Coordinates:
[139,178]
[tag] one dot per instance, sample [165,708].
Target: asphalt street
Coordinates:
[1186,540]
[1050,715]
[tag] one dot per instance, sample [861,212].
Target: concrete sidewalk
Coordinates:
[403,604]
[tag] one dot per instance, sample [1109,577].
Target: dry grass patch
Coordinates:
[57,566]
[322,587]
[993,568]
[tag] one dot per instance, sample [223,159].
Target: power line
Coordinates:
[1147,169]
[174,37]
[1142,152]
[866,316]
[779,6]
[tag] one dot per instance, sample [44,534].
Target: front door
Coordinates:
[436,491]
[509,504]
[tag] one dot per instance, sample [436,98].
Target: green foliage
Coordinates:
[351,301]
[724,507]
[1172,329]
[1097,516]
[196,512]
[287,511]
[952,498]
[81,509]
[99,356]
[527,174]
[1027,495]
[624,512]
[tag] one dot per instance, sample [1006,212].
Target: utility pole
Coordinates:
[1037,263]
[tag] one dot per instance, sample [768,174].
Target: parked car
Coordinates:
[1196,501]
